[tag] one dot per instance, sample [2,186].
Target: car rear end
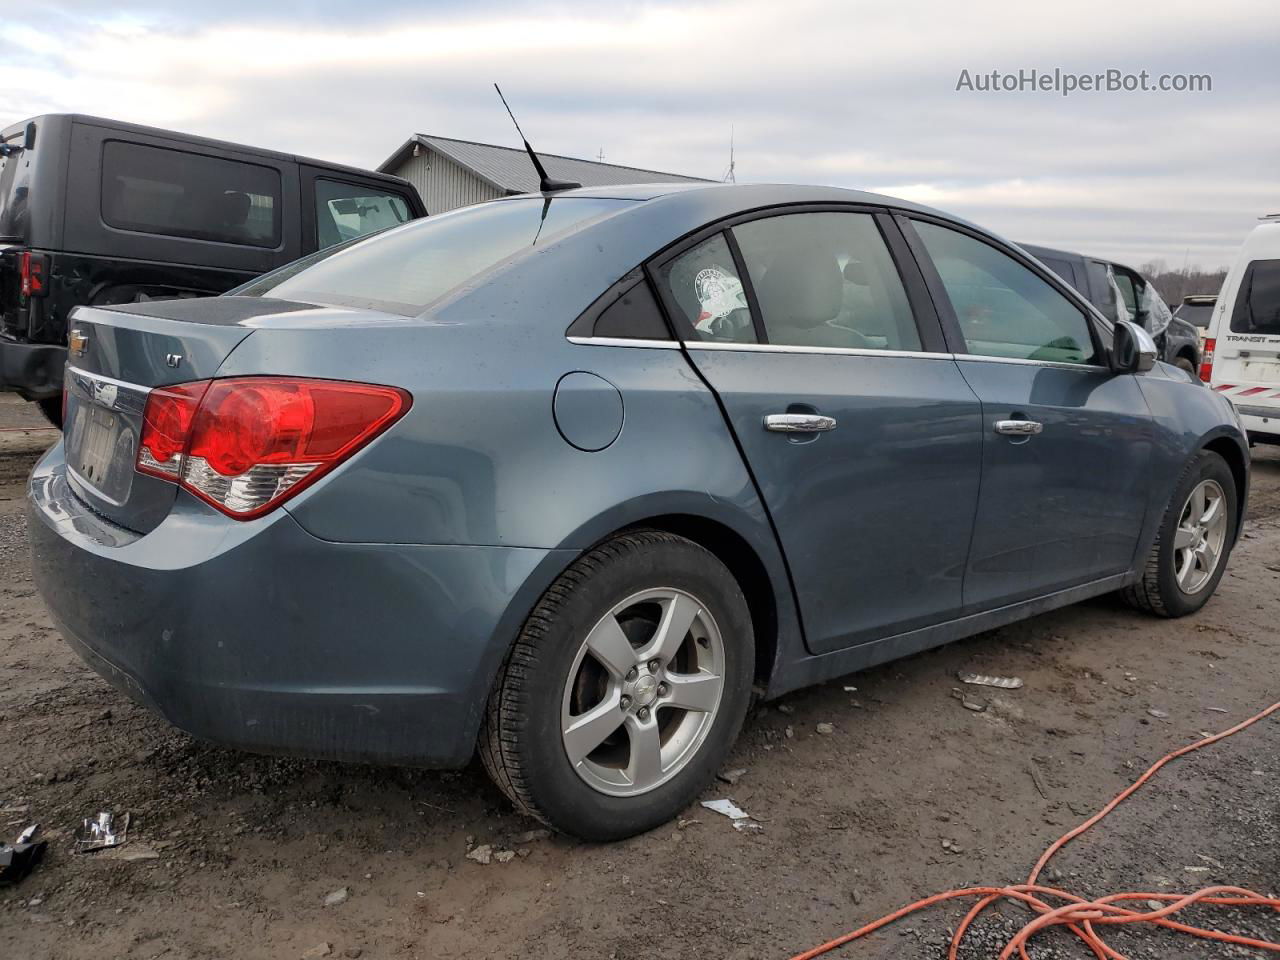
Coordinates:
[32,156]
[1242,349]
[271,517]
[164,547]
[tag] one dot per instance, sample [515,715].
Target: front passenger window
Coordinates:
[1004,309]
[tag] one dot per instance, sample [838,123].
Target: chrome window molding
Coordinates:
[624,342]
[835,351]
[1056,364]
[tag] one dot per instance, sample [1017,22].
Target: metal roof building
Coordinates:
[453,173]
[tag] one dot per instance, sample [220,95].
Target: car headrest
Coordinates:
[233,208]
[802,287]
[855,271]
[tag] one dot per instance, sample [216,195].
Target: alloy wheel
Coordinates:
[1200,537]
[643,692]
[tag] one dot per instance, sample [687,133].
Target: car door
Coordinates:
[1066,441]
[861,434]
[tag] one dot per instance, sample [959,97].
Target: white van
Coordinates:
[1242,346]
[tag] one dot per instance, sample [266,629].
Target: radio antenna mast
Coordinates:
[730,176]
[545,183]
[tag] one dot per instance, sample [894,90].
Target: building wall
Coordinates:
[443,184]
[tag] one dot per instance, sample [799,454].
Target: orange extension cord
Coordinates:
[1083,917]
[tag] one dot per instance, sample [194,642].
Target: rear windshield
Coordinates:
[404,269]
[1197,314]
[1257,307]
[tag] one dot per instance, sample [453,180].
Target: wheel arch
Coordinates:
[1230,451]
[746,566]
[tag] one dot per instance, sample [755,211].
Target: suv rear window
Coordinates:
[1257,307]
[405,269]
[178,194]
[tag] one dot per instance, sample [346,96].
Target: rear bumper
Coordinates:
[258,635]
[33,370]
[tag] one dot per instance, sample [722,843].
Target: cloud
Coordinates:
[815,90]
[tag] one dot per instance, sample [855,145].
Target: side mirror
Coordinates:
[1134,351]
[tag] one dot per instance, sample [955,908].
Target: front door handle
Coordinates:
[799,423]
[1019,428]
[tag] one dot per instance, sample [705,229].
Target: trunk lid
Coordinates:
[116,356]
[114,359]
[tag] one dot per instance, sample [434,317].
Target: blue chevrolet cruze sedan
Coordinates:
[561,478]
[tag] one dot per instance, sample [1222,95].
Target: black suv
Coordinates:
[94,211]
[1100,280]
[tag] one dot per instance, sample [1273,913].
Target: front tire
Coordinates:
[1195,538]
[625,689]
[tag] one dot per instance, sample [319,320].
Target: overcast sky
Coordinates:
[817,91]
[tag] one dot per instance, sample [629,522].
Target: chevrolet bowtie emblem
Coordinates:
[78,342]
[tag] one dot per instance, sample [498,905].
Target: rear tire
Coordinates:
[1199,524]
[565,687]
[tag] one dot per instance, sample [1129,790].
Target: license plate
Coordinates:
[1260,371]
[97,444]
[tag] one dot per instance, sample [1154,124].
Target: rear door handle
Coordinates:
[799,423]
[1019,428]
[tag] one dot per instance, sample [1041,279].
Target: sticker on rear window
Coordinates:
[719,294]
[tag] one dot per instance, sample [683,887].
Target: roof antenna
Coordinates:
[546,184]
[730,176]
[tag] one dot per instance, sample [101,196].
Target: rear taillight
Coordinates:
[31,274]
[247,444]
[1206,361]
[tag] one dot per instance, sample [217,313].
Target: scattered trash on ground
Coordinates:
[319,950]
[850,689]
[977,706]
[338,897]
[20,858]
[682,824]
[482,854]
[985,680]
[103,831]
[505,856]
[1038,780]
[825,729]
[1217,710]
[1158,714]
[727,808]
[786,708]
[731,776]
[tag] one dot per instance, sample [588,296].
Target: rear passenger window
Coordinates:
[707,291]
[1257,308]
[345,211]
[1004,309]
[178,194]
[827,280]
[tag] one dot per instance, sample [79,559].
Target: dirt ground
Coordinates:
[911,794]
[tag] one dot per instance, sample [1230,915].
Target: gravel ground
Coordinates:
[911,794]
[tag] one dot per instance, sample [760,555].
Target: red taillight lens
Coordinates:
[166,425]
[1206,361]
[31,270]
[246,444]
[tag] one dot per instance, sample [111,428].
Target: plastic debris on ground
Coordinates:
[985,680]
[103,831]
[727,808]
[20,858]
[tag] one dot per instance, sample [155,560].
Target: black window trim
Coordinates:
[946,311]
[928,324]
